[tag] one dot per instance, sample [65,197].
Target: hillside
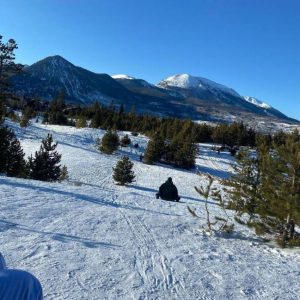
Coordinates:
[90,239]
[49,76]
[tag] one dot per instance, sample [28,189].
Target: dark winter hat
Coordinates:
[170,179]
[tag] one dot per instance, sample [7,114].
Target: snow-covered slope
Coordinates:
[257,102]
[187,81]
[226,104]
[122,76]
[129,81]
[90,239]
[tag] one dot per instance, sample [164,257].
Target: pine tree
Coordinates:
[15,159]
[64,174]
[25,120]
[97,115]
[12,161]
[45,165]
[7,65]
[155,149]
[125,141]
[245,184]
[211,192]
[266,186]
[81,122]
[13,116]
[2,110]
[109,142]
[55,114]
[123,173]
[184,153]
[7,68]
[4,144]
[281,183]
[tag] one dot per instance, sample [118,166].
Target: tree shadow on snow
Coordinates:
[81,197]
[239,236]
[61,237]
[214,172]
[95,151]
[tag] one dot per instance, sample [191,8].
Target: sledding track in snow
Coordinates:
[151,265]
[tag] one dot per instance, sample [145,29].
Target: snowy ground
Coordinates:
[90,239]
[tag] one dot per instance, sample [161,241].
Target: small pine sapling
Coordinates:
[211,192]
[81,122]
[25,121]
[64,174]
[125,141]
[45,165]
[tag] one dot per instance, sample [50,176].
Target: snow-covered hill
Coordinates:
[187,81]
[90,239]
[122,76]
[257,102]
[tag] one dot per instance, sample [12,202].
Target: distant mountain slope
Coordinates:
[186,81]
[180,95]
[52,74]
[208,95]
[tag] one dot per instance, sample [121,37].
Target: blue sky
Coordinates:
[252,46]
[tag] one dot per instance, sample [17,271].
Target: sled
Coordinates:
[157,197]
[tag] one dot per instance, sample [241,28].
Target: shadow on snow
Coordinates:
[61,237]
[145,189]
[81,197]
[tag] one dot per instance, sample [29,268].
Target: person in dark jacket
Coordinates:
[168,191]
[18,284]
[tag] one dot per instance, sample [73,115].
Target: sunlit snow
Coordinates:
[90,239]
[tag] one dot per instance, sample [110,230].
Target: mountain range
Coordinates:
[181,95]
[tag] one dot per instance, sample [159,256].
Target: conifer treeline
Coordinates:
[167,128]
[110,118]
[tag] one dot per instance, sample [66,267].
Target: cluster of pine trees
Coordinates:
[110,118]
[55,112]
[179,151]
[44,165]
[122,173]
[266,186]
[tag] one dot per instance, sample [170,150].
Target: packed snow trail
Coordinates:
[90,239]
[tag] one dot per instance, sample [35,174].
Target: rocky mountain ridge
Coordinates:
[180,95]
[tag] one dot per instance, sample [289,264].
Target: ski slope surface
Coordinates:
[88,238]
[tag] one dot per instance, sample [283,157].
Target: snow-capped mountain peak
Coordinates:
[257,102]
[122,76]
[180,95]
[187,81]
[56,60]
[184,81]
